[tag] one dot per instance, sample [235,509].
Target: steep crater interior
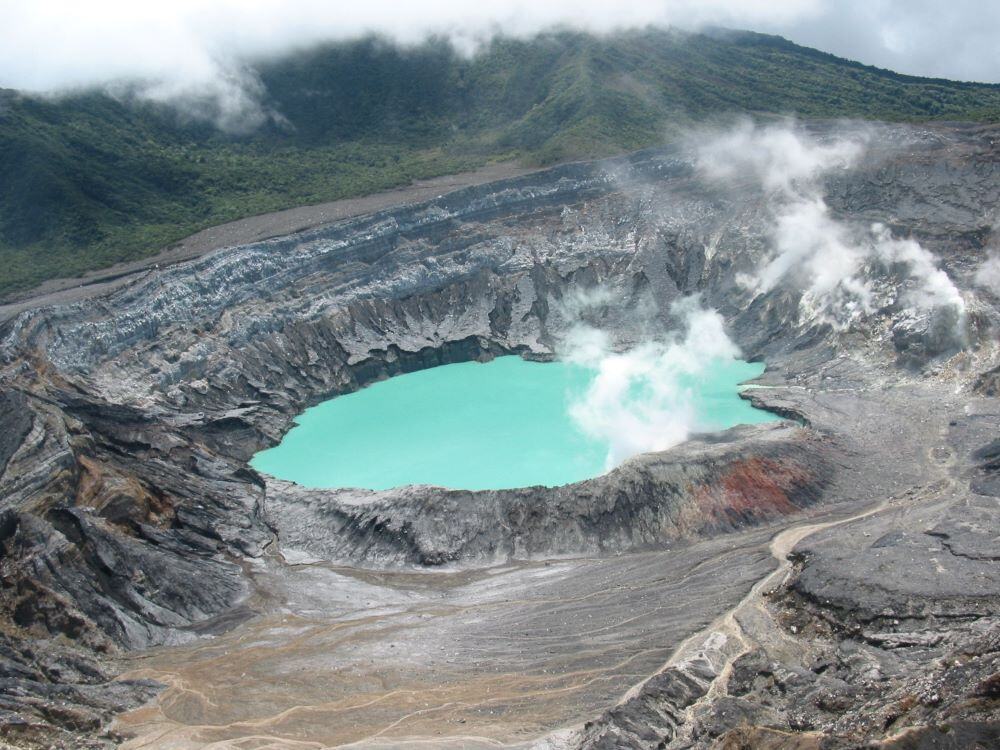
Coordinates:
[353,615]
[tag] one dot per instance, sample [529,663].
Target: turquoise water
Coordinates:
[505,423]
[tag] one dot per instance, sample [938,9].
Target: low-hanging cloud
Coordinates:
[844,274]
[638,401]
[199,52]
[200,49]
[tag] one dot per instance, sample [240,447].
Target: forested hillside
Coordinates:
[91,179]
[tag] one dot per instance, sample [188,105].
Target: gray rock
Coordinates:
[129,516]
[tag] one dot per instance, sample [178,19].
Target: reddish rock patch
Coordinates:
[752,489]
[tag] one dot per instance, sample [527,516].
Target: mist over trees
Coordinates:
[97,177]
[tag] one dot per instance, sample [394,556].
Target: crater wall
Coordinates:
[127,420]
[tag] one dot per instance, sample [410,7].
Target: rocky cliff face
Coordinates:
[749,476]
[127,420]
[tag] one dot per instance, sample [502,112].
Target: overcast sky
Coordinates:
[187,46]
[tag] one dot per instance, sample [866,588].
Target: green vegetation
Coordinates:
[89,180]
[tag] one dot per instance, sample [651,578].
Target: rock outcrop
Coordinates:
[747,476]
[126,422]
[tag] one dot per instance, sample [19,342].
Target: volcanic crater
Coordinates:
[797,575]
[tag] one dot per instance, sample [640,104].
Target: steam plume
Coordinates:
[988,275]
[637,401]
[844,274]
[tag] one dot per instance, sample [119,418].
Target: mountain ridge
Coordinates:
[88,180]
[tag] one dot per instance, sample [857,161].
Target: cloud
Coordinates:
[955,39]
[639,400]
[55,44]
[199,50]
[230,98]
[844,274]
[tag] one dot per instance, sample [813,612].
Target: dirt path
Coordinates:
[252,229]
[725,635]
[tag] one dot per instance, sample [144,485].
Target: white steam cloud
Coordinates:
[637,401]
[988,275]
[781,158]
[844,275]
[197,52]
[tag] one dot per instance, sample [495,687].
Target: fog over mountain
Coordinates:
[190,48]
[731,483]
